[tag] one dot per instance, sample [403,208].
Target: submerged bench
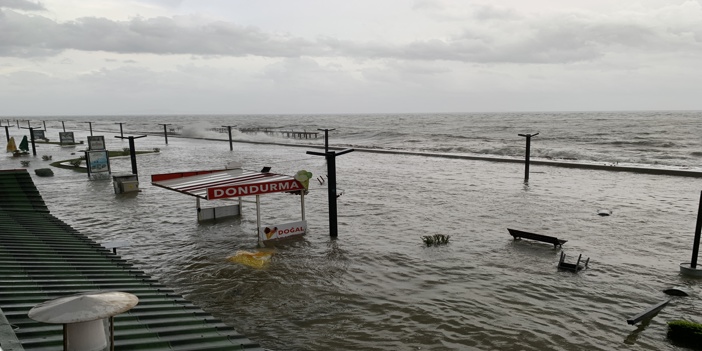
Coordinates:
[573,267]
[518,234]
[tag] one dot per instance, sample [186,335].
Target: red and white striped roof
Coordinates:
[220,184]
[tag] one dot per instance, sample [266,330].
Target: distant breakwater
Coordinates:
[565,164]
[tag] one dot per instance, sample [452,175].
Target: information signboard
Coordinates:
[98,161]
[96,142]
[38,134]
[66,138]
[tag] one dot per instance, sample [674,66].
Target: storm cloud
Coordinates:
[310,56]
[490,35]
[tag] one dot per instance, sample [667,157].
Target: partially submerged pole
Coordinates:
[63,125]
[691,268]
[258,218]
[121,134]
[698,229]
[165,131]
[31,138]
[528,154]
[330,156]
[229,128]
[91,127]
[132,152]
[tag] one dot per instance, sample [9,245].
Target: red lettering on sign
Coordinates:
[253,189]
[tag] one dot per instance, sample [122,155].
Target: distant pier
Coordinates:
[274,132]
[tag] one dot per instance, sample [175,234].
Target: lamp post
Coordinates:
[527,156]
[229,128]
[121,134]
[165,131]
[691,269]
[132,151]
[31,138]
[330,156]
[7,130]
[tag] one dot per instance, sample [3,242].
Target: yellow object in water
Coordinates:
[11,146]
[252,259]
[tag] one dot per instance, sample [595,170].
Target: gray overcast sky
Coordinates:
[67,57]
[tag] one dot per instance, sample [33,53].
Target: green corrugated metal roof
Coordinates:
[18,193]
[42,258]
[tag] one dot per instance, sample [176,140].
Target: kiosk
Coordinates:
[234,184]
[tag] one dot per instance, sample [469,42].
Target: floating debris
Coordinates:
[648,313]
[604,212]
[259,259]
[436,239]
[44,172]
[675,291]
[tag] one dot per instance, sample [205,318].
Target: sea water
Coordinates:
[378,286]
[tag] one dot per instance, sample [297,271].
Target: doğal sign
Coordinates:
[282,231]
[253,189]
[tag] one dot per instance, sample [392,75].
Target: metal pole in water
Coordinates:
[528,154]
[165,131]
[331,176]
[330,156]
[231,146]
[132,152]
[229,128]
[132,155]
[31,136]
[258,219]
[121,134]
[63,124]
[326,139]
[698,229]
[31,139]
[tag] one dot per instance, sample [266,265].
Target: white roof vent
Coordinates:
[84,316]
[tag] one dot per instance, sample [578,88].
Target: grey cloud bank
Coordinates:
[484,58]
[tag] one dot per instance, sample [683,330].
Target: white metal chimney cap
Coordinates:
[83,307]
